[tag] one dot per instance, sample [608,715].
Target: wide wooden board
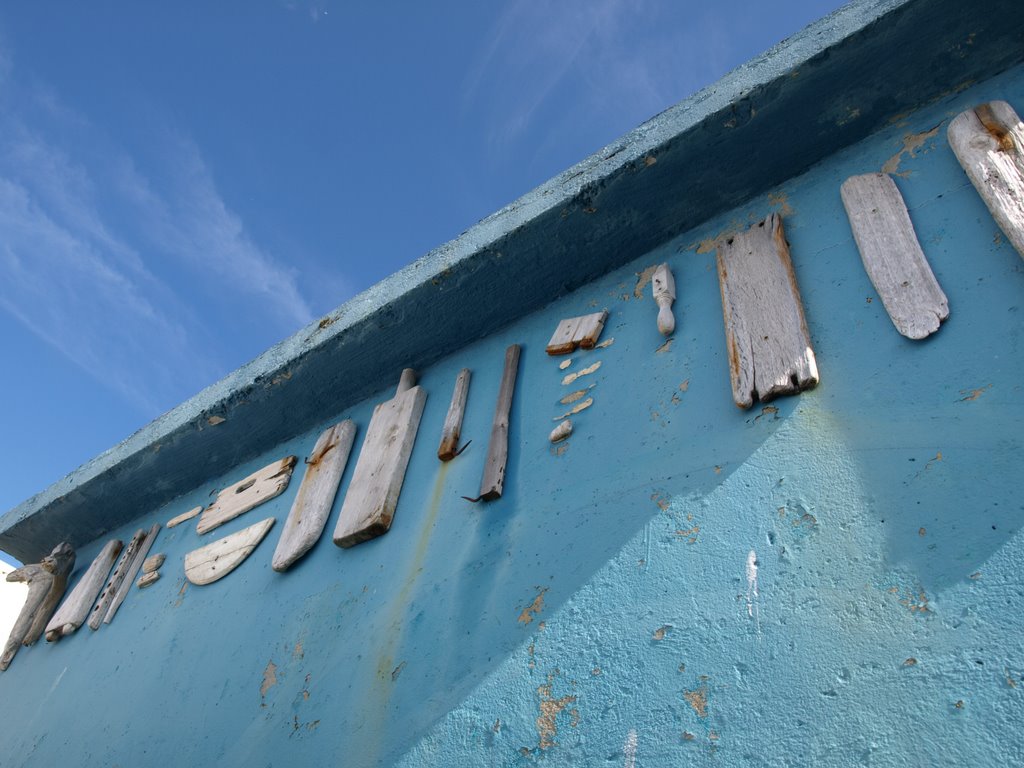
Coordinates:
[313,502]
[219,558]
[892,255]
[766,335]
[989,143]
[372,495]
[75,608]
[133,569]
[257,488]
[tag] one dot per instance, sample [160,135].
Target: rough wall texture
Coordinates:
[832,579]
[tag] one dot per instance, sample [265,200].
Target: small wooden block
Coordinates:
[576,332]
[219,558]
[261,486]
[769,347]
[147,579]
[892,255]
[153,563]
[989,143]
[184,516]
[75,608]
[313,502]
[452,431]
[590,328]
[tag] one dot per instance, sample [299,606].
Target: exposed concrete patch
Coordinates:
[550,708]
[643,279]
[698,699]
[533,609]
[269,680]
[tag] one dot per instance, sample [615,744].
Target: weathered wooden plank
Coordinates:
[663,287]
[313,502]
[46,581]
[153,563]
[769,347]
[497,450]
[563,340]
[892,255]
[561,432]
[133,569]
[116,578]
[184,516]
[257,488]
[372,496]
[148,578]
[219,558]
[590,328]
[75,608]
[452,431]
[989,143]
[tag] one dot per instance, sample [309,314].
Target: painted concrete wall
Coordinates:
[829,580]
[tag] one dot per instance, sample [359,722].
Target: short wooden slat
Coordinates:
[766,335]
[257,488]
[313,502]
[452,431]
[372,496]
[989,143]
[219,558]
[99,611]
[133,569]
[75,608]
[590,328]
[563,340]
[892,255]
[497,451]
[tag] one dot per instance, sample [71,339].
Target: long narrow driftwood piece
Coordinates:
[133,569]
[372,495]
[892,255]
[989,143]
[99,611]
[259,487]
[219,558]
[452,431]
[313,502]
[769,347]
[75,608]
[184,516]
[497,450]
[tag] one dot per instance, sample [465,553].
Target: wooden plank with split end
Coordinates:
[563,340]
[663,288]
[373,492]
[219,558]
[184,516]
[313,502]
[497,450]
[75,608]
[989,143]
[892,255]
[133,569]
[766,334]
[99,611]
[452,430]
[259,487]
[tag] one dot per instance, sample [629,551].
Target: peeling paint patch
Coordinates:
[971,395]
[572,397]
[912,142]
[664,347]
[533,609]
[297,652]
[780,200]
[570,378]
[576,409]
[661,501]
[698,700]
[660,632]
[550,708]
[565,364]
[689,533]
[269,679]
[213,421]
[606,343]
[643,279]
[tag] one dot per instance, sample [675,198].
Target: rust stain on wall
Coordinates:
[698,699]
[972,394]
[912,142]
[529,612]
[781,201]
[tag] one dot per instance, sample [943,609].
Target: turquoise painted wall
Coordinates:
[602,612]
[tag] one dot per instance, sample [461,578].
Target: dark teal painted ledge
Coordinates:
[824,89]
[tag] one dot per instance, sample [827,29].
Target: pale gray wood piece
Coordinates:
[766,335]
[313,502]
[590,327]
[116,579]
[989,143]
[184,516]
[219,558]
[373,492]
[892,255]
[493,482]
[561,432]
[259,487]
[663,287]
[46,582]
[452,431]
[564,339]
[153,563]
[148,578]
[133,569]
[75,608]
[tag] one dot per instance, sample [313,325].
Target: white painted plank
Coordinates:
[184,516]
[563,340]
[989,143]
[766,335]
[493,482]
[219,558]
[452,430]
[116,578]
[257,488]
[373,493]
[133,569]
[313,502]
[892,255]
[590,327]
[75,608]
[663,287]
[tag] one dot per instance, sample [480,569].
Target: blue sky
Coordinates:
[184,184]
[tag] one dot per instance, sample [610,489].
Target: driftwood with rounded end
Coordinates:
[219,558]
[259,487]
[75,609]
[46,582]
[561,432]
